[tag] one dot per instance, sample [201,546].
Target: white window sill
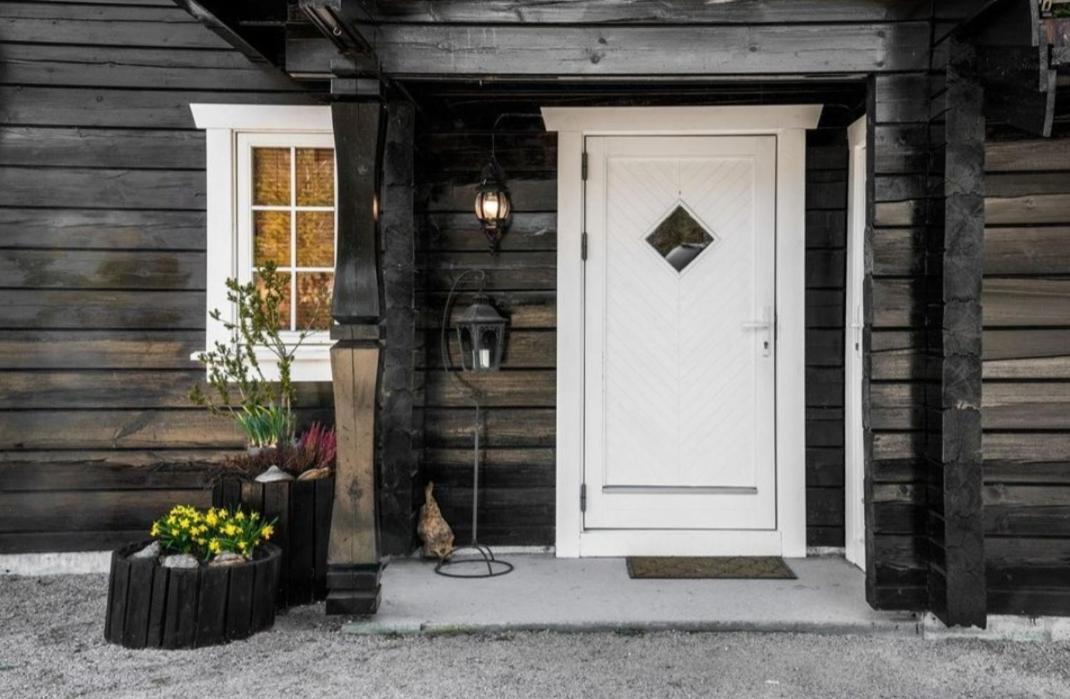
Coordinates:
[311,363]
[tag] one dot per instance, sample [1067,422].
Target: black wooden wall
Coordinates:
[519,473]
[102,269]
[1026,400]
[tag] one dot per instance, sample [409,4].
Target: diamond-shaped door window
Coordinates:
[679,238]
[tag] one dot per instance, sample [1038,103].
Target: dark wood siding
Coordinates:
[102,230]
[517,497]
[896,364]
[1026,399]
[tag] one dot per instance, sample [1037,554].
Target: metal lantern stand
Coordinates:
[480,561]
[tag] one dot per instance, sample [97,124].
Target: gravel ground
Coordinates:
[51,645]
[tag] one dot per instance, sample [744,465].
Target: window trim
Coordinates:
[226,127]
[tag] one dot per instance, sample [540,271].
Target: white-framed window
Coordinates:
[272,195]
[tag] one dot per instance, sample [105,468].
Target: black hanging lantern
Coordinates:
[492,203]
[481,335]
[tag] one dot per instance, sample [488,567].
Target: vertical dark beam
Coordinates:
[397,229]
[353,553]
[357,149]
[961,331]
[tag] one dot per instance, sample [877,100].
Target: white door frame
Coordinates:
[788,124]
[854,451]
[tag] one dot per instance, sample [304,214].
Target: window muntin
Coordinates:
[286,215]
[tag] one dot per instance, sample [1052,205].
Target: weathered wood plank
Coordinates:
[59,511]
[116,429]
[91,269]
[1027,210]
[640,12]
[153,69]
[1027,354]
[108,148]
[1027,251]
[504,427]
[412,50]
[36,471]
[93,107]
[1024,448]
[505,389]
[95,388]
[75,309]
[102,188]
[508,271]
[1026,406]
[1027,155]
[104,25]
[75,229]
[1026,302]
[100,349]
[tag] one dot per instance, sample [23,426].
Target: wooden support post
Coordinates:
[960,592]
[397,227]
[353,565]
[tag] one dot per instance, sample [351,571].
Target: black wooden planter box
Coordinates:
[150,606]
[302,510]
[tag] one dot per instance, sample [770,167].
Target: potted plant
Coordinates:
[290,481]
[238,388]
[293,484]
[205,578]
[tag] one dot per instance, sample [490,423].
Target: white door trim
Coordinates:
[788,124]
[854,452]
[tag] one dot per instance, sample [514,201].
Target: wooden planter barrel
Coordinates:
[302,514]
[150,606]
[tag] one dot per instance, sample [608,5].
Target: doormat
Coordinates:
[696,567]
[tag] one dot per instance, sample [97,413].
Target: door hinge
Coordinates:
[583,246]
[583,497]
[583,166]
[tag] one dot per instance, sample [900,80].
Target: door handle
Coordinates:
[765,325]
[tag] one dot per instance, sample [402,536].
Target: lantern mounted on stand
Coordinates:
[481,340]
[481,336]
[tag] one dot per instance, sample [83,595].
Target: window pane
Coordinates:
[271,176]
[314,300]
[315,238]
[315,177]
[283,310]
[271,238]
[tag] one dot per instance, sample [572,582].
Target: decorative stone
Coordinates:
[315,474]
[227,558]
[150,551]
[273,474]
[179,560]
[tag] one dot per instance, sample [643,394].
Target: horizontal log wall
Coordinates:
[102,230]
[1026,400]
[517,494]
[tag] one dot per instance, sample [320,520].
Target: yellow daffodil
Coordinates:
[240,516]
[267,531]
[211,518]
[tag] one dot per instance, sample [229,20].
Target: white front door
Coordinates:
[680,346]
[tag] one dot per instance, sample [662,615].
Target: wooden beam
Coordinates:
[356,279]
[340,21]
[223,30]
[397,226]
[487,12]
[531,50]
[353,550]
[959,596]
